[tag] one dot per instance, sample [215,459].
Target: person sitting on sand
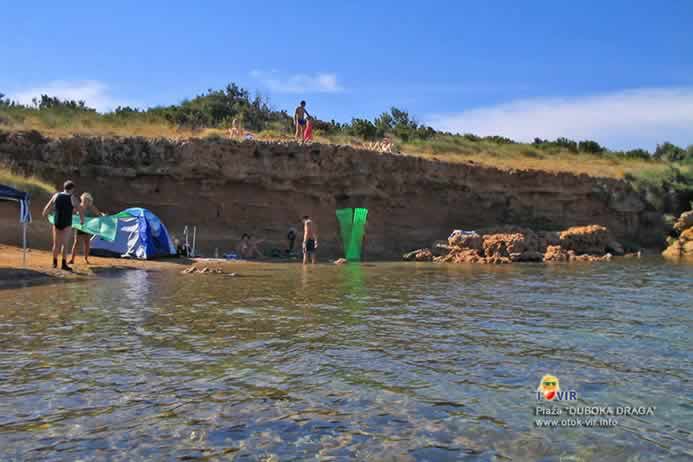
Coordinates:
[63,204]
[89,210]
[247,248]
[300,115]
[310,240]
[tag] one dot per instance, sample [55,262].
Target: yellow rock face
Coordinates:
[683,246]
[687,235]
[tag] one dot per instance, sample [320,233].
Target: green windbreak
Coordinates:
[345,217]
[352,224]
[104,227]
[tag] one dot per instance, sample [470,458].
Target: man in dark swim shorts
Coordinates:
[63,204]
[310,240]
[300,120]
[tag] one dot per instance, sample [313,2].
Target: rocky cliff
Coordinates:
[228,187]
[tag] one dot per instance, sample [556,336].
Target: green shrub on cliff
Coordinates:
[668,189]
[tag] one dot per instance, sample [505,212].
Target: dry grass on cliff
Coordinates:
[31,184]
[442,147]
[519,156]
[524,157]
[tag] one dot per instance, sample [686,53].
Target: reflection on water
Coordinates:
[365,362]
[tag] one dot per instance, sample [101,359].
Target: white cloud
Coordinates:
[94,93]
[620,120]
[298,83]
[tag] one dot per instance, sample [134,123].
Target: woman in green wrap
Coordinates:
[90,211]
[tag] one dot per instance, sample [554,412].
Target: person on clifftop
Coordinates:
[63,204]
[300,120]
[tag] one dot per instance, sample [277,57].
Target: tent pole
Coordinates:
[194,239]
[24,244]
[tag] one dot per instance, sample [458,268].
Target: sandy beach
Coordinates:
[38,267]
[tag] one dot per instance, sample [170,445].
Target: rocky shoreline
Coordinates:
[510,244]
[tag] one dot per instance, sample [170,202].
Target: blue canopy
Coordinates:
[22,197]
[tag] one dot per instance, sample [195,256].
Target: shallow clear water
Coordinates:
[375,362]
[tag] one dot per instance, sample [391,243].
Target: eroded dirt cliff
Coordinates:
[228,187]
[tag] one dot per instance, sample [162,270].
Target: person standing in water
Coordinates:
[63,204]
[300,115]
[310,240]
[89,210]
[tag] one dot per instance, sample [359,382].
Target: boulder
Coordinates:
[468,240]
[529,255]
[684,222]
[592,239]
[502,245]
[615,248]
[419,255]
[547,238]
[687,235]
[683,245]
[458,255]
[554,253]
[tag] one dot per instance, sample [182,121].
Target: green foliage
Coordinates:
[499,139]
[672,153]
[590,146]
[363,128]
[217,108]
[664,189]
[471,137]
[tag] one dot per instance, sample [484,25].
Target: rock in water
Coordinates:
[592,239]
[684,222]
[683,245]
[418,255]
[468,240]
[554,253]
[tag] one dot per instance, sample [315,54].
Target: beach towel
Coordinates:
[308,132]
[104,227]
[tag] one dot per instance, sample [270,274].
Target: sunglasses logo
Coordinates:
[550,389]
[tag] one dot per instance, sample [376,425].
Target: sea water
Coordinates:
[363,362]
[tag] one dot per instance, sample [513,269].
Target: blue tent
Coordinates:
[7,193]
[140,234]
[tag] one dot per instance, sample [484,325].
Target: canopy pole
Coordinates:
[24,244]
[194,240]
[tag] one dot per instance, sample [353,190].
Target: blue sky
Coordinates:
[620,72]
